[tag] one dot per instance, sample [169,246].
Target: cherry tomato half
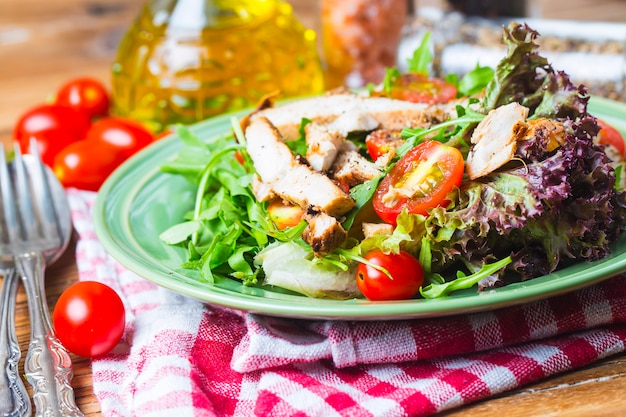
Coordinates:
[125,135]
[51,117]
[608,135]
[89,318]
[381,142]
[85,94]
[419,181]
[86,164]
[419,88]
[405,278]
[284,215]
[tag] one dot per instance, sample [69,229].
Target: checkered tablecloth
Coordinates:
[181,357]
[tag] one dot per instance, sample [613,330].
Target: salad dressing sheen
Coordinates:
[182,61]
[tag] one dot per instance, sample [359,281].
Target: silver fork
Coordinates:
[34,214]
[14,401]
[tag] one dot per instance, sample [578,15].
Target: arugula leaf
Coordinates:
[443,132]
[391,75]
[299,146]
[474,81]
[422,57]
[442,288]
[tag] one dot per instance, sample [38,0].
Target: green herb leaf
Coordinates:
[441,289]
[179,232]
[422,56]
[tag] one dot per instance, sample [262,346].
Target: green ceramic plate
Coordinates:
[138,202]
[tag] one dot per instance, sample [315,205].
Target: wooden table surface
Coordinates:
[44,43]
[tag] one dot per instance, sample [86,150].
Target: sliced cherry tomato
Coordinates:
[608,135]
[52,117]
[284,215]
[125,135]
[49,144]
[89,318]
[381,142]
[405,278]
[85,94]
[419,88]
[86,164]
[419,181]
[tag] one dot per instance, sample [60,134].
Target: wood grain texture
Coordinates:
[44,43]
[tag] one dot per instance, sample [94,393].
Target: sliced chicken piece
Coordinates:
[367,112]
[272,158]
[351,168]
[550,131]
[323,145]
[324,233]
[373,229]
[262,191]
[310,189]
[495,139]
[279,170]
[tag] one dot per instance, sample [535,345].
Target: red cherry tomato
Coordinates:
[125,135]
[608,135]
[49,144]
[419,88]
[419,181]
[85,94]
[86,164]
[89,318]
[381,142]
[52,117]
[404,280]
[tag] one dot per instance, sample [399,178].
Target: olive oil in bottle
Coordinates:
[182,61]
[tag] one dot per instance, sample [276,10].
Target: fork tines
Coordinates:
[27,223]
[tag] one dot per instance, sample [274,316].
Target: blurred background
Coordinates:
[44,43]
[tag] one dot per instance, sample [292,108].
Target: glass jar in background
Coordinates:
[360,38]
[182,61]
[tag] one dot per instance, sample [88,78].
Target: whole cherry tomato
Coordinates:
[85,94]
[419,181]
[89,318]
[125,135]
[405,278]
[608,135]
[49,144]
[52,117]
[86,164]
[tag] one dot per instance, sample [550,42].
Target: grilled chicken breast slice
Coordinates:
[351,168]
[324,233]
[495,139]
[323,145]
[367,112]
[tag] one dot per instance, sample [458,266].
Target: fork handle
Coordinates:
[14,401]
[48,365]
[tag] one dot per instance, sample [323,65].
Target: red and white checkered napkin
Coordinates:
[182,357]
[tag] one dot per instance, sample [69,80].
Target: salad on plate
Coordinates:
[414,188]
